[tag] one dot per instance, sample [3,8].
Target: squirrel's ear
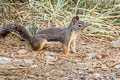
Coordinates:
[75,19]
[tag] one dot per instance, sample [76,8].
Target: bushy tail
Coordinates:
[35,42]
[19,29]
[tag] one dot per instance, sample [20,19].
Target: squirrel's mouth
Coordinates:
[85,26]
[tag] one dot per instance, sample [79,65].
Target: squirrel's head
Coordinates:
[77,24]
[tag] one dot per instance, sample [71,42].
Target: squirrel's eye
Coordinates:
[79,25]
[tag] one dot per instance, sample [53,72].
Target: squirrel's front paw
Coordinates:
[67,54]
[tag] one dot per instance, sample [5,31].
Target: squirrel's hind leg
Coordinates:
[42,44]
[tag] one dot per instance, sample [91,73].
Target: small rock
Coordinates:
[104,67]
[118,73]
[50,59]
[62,75]
[97,75]
[22,51]
[91,56]
[117,79]
[115,43]
[117,66]
[5,60]
[34,66]
[17,60]
[34,52]
[31,76]
[94,76]
[29,61]
[23,47]
[49,53]
[96,64]
[91,70]
[98,56]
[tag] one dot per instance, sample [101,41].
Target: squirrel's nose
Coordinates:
[87,25]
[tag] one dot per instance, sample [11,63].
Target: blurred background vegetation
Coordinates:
[102,15]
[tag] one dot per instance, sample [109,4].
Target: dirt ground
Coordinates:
[95,60]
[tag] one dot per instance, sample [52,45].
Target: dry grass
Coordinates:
[46,13]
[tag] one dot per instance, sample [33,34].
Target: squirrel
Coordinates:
[67,36]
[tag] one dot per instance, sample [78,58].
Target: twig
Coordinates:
[108,17]
[4,18]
